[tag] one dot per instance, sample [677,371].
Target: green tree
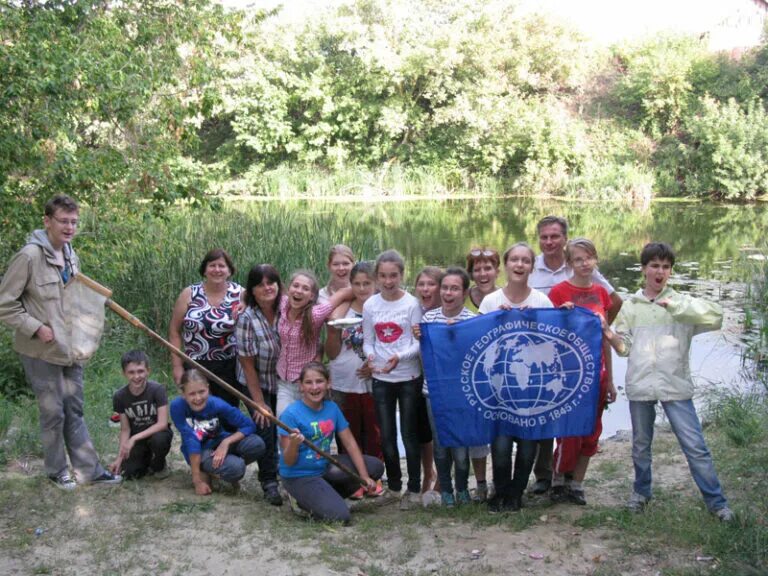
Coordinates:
[655,80]
[728,151]
[100,100]
[424,83]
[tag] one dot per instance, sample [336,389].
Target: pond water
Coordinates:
[714,244]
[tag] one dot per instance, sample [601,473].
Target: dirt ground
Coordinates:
[161,527]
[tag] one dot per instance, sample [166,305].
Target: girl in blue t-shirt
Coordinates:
[315,485]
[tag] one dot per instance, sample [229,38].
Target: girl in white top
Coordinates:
[350,373]
[516,293]
[392,352]
[518,264]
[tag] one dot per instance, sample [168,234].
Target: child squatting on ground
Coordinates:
[207,444]
[145,437]
[315,485]
[654,329]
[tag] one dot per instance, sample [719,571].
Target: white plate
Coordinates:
[345,322]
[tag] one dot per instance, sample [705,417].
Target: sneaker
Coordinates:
[463,497]
[636,503]
[542,486]
[576,496]
[409,500]
[114,420]
[558,494]
[431,498]
[481,492]
[724,514]
[359,494]
[63,481]
[296,509]
[376,491]
[107,479]
[513,503]
[447,499]
[163,473]
[496,504]
[500,504]
[272,495]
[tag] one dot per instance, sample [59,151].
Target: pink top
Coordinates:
[294,351]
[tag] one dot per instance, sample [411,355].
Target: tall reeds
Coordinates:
[167,260]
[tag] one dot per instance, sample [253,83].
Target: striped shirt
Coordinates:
[436,316]
[258,339]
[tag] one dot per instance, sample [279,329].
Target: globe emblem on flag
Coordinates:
[527,373]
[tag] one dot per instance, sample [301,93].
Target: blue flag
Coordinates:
[531,373]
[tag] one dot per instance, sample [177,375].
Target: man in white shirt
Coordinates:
[549,269]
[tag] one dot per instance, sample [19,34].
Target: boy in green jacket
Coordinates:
[654,329]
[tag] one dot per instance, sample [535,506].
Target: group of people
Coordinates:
[267,341]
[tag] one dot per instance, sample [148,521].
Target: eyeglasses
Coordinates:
[582,261]
[478,252]
[64,222]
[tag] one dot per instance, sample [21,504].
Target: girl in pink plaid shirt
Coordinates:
[299,327]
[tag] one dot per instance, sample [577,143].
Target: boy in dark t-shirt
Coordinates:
[145,436]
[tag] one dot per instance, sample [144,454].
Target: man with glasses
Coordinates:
[549,269]
[32,303]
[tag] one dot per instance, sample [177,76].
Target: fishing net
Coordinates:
[85,309]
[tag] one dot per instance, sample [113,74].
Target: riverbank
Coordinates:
[161,527]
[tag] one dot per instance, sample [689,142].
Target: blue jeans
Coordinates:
[685,424]
[445,456]
[501,455]
[242,453]
[387,395]
[323,496]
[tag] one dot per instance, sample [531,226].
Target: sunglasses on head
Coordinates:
[478,252]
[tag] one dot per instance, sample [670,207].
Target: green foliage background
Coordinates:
[142,104]
[133,107]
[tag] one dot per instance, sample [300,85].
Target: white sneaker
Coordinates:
[724,514]
[410,500]
[64,481]
[107,479]
[431,498]
[636,503]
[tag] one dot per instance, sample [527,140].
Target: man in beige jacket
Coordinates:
[32,304]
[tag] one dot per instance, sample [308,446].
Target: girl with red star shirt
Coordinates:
[392,352]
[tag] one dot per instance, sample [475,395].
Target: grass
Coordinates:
[672,532]
[739,417]
[186,507]
[388,181]
[167,259]
[674,521]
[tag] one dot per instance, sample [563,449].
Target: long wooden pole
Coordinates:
[123,313]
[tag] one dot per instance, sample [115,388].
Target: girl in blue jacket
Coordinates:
[209,445]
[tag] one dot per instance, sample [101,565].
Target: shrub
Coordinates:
[655,86]
[739,416]
[12,381]
[728,150]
